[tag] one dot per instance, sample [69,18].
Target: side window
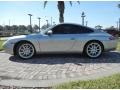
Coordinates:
[75,29]
[65,29]
[70,29]
[62,29]
[58,29]
[85,30]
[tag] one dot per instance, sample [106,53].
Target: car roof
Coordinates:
[70,24]
[74,24]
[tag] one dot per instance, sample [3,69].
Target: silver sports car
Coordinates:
[62,38]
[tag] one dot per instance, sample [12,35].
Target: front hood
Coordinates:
[17,37]
[25,36]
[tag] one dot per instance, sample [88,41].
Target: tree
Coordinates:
[45,26]
[29,28]
[61,8]
[36,28]
[7,27]
[15,28]
[1,28]
[22,28]
[7,30]
[98,27]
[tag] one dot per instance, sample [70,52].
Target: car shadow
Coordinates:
[108,57]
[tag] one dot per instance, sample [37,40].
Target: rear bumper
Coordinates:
[110,45]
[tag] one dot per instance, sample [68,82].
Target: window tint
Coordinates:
[70,29]
[85,30]
[61,29]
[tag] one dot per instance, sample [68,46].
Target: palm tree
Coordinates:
[61,8]
[118,5]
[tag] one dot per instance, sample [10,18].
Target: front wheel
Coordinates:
[25,50]
[93,49]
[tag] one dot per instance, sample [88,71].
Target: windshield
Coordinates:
[45,30]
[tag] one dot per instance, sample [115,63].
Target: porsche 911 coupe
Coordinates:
[61,38]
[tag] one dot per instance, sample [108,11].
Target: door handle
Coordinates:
[72,38]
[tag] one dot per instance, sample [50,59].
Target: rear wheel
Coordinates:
[25,50]
[93,49]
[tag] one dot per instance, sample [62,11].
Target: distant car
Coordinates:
[62,38]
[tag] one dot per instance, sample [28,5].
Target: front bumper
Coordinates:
[8,47]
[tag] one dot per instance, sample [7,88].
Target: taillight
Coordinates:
[112,38]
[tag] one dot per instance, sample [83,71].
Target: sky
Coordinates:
[104,13]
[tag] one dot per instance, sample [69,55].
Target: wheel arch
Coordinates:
[21,41]
[93,41]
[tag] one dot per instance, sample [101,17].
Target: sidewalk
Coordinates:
[46,71]
[49,83]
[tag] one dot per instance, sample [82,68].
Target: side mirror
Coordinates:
[49,32]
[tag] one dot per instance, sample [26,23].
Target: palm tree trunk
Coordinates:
[61,8]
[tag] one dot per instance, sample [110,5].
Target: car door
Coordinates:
[60,41]
[82,37]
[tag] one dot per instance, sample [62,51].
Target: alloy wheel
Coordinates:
[26,50]
[94,49]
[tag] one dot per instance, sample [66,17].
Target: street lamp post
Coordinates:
[39,23]
[47,23]
[119,24]
[9,22]
[30,23]
[83,16]
[51,21]
[86,23]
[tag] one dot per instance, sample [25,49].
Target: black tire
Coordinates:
[99,46]
[19,46]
